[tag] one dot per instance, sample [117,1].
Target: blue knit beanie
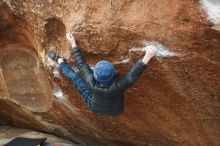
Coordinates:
[104,72]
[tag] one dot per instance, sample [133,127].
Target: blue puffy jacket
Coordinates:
[108,100]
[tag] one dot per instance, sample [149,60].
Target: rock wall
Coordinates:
[175,102]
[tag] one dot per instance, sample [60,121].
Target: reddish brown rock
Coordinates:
[175,102]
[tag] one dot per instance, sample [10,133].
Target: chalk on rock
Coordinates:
[57,92]
[54,67]
[56,72]
[212,8]
[162,51]
[50,62]
[125,61]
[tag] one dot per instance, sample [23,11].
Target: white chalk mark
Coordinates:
[50,62]
[162,51]
[125,61]
[212,8]
[54,67]
[56,72]
[57,92]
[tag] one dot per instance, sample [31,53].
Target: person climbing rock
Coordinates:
[101,88]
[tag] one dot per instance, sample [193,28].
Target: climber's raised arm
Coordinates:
[83,67]
[137,69]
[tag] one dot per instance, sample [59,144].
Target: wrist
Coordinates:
[146,59]
[73,45]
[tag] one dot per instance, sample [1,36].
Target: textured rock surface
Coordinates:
[176,101]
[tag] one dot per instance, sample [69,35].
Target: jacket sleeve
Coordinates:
[131,76]
[83,67]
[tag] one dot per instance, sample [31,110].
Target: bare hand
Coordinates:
[71,39]
[150,52]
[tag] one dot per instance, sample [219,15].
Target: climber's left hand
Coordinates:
[71,39]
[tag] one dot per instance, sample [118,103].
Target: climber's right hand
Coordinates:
[71,39]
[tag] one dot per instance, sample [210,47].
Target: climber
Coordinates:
[101,88]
